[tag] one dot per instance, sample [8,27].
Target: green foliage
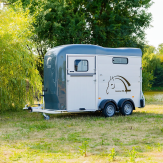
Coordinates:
[147,80]
[40,64]
[158,73]
[118,23]
[149,49]
[19,78]
[115,23]
[60,22]
[112,155]
[83,148]
[150,62]
[160,49]
[133,155]
[157,88]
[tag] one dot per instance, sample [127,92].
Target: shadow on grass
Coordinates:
[98,114]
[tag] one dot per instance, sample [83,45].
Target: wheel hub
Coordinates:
[128,109]
[110,110]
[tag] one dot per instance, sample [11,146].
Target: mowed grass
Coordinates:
[27,137]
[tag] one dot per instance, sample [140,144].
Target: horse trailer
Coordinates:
[89,78]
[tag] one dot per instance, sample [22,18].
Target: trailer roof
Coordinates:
[93,49]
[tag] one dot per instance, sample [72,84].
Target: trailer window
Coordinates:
[120,60]
[81,65]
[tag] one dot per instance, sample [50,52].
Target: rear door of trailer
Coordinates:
[119,77]
[81,82]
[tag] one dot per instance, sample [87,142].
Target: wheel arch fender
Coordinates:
[105,101]
[123,100]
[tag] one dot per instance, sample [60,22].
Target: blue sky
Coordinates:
[155,34]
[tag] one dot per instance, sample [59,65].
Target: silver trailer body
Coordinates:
[81,78]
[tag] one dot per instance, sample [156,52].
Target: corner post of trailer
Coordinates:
[97,82]
[43,100]
[46,117]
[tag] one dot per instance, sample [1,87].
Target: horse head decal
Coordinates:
[112,83]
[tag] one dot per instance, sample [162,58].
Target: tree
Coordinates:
[148,79]
[118,23]
[158,73]
[19,78]
[160,49]
[150,63]
[109,23]
[148,49]
[60,23]
[57,22]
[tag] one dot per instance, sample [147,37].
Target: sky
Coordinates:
[154,35]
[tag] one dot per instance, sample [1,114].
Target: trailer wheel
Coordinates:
[127,108]
[46,117]
[109,109]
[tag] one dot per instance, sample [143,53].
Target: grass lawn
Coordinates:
[27,137]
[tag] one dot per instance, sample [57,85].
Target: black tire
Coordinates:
[46,117]
[127,108]
[109,109]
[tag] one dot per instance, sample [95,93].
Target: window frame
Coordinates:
[120,63]
[82,60]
